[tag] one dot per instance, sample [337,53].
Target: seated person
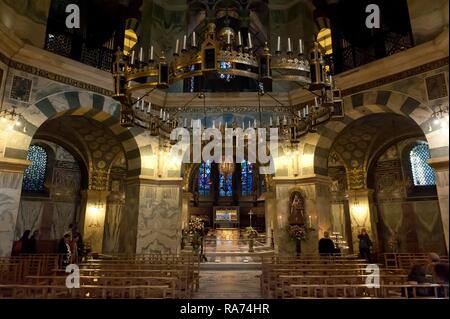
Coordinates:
[420,274]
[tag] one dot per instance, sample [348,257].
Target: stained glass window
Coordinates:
[225,65]
[247,178]
[34,175]
[226,186]
[423,174]
[204,179]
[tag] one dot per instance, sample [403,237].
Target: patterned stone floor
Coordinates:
[229,284]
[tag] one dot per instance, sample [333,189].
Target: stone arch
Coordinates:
[317,146]
[102,109]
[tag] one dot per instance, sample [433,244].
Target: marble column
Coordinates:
[11,175]
[362,215]
[270,215]
[440,166]
[160,218]
[315,191]
[94,218]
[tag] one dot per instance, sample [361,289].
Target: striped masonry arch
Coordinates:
[97,107]
[362,104]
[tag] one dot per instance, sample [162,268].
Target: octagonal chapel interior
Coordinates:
[360,115]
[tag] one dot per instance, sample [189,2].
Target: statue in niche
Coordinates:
[297,212]
[334,186]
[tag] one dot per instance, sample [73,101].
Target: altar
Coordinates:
[226,217]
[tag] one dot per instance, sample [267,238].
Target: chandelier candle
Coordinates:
[239,39]
[194,42]
[151,53]
[250,45]
[300,47]
[141,55]
[177,45]
[132,57]
[289,46]
[279,44]
[184,42]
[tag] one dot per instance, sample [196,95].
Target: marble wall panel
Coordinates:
[159,221]
[113,217]
[29,217]
[10,189]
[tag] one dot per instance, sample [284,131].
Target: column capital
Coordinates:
[13,165]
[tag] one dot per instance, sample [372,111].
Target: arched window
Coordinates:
[34,175]
[204,179]
[247,178]
[226,186]
[423,174]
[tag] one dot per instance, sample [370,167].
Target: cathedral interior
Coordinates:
[354,121]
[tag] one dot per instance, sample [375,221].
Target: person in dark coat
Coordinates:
[326,245]
[364,245]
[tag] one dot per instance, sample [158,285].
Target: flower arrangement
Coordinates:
[297,232]
[196,226]
[251,233]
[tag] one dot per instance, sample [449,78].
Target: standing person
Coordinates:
[326,245]
[33,243]
[364,245]
[65,249]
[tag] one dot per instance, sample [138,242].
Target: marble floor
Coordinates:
[229,284]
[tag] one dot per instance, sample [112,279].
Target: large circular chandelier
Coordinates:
[230,53]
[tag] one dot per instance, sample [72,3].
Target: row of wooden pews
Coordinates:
[407,260]
[118,276]
[314,276]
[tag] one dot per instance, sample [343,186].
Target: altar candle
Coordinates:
[271,121]
[316,103]
[299,114]
[194,44]
[192,123]
[300,46]
[228,38]
[307,109]
[226,125]
[161,113]
[185,121]
[249,124]
[250,45]
[149,110]
[239,38]
[164,115]
[243,125]
[279,44]
[310,221]
[142,105]
[284,120]
[214,124]
[151,53]
[254,123]
[184,42]
[304,112]
[289,45]
[278,121]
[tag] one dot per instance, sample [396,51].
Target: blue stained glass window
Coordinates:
[247,178]
[226,186]
[204,179]
[225,65]
[34,175]
[423,174]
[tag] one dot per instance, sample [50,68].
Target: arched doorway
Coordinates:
[86,174]
[371,187]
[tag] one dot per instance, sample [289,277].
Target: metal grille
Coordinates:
[423,174]
[59,43]
[34,175]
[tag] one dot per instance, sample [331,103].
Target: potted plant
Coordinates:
[251,234]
